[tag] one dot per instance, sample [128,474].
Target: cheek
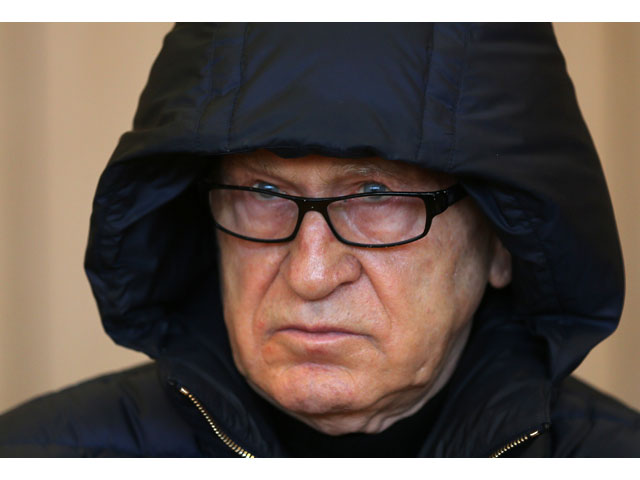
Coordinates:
[247,272]
[411,284]
[429,290]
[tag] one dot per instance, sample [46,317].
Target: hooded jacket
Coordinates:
[491,105]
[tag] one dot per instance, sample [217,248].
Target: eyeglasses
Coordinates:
[372,220]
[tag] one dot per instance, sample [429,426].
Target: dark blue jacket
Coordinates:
[490,104]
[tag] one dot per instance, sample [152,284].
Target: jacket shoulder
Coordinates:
[121,414]
[589,423]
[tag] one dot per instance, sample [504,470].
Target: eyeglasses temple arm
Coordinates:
[446,198]
[454,194]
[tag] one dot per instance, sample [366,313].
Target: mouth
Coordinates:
[317,334]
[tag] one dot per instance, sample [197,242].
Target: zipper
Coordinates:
[244,453]
[515,443]
[219,433]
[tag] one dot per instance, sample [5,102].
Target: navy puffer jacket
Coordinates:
[490,104]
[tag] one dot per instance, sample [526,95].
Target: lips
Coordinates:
[317,329]
[317,334]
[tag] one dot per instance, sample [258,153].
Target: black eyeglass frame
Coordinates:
[435,203]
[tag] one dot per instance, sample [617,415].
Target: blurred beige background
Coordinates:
[67,91]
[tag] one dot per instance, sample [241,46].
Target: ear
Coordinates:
[500,266]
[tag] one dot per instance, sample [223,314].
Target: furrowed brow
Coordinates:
[370,170]
[253,161]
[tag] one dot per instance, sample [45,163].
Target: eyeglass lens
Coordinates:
[368,220]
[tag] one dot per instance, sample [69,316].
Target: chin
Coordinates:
[314,390]
[329,398]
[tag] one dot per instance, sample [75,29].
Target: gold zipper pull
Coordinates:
[517,442]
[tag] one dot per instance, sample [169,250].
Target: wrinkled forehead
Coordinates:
[328,170]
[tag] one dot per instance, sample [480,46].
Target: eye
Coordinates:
[266,186]
[373,187]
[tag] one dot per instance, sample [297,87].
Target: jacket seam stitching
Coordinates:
[454,133]
[423,103]
[237,94]
[197,144]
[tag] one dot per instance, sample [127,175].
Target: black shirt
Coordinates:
[402,439]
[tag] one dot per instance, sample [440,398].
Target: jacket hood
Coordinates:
[490,104]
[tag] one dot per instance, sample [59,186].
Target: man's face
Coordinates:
[350,338]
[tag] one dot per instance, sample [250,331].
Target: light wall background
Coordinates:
[67,91]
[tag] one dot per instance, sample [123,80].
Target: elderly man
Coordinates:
[349,240]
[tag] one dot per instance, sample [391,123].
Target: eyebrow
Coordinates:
[349,168]
[369,170]
[258,161]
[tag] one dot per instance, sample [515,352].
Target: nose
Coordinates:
[318,263]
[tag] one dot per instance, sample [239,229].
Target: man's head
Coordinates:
[349,338]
